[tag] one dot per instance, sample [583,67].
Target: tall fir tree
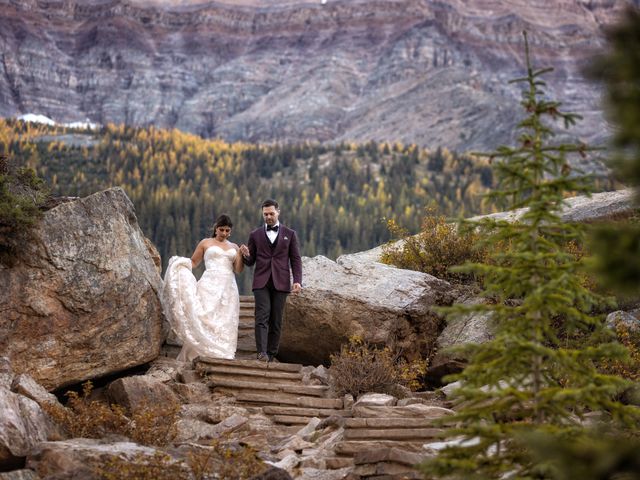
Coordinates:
[618,247]
[530,377]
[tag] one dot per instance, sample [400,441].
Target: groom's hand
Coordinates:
[296,288]
[244,250]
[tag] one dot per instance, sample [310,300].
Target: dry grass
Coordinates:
[360,368]
[84,418]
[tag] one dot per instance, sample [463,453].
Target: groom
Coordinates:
[273,248]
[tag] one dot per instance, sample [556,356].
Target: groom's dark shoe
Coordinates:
[273,359]
[262,357]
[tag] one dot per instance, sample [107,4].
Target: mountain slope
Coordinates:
[423,71]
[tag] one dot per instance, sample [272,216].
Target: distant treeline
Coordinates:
[337,197]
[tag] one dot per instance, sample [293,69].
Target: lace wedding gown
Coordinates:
[204,313]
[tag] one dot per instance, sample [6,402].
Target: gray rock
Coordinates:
[306,431]
[24,474]
[85,304]
[23,425]
[142,391]
[630,320]
[321,373]
[599,206]
[475,327]
[375,400]
[27,386]
[381,304]
[84,458]
[6,373]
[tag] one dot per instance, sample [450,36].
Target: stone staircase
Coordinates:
[378,441]
[246,330]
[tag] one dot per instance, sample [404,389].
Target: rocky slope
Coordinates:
[423,71]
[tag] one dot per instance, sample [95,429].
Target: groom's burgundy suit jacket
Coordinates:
[274,260]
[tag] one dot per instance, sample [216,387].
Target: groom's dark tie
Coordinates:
[272,227]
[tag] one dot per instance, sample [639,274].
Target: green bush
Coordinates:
[22,194]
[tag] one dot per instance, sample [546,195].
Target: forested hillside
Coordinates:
[337,197]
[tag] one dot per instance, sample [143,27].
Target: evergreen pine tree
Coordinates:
[618,247]
[530,377]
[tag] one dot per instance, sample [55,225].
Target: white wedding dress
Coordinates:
[204,313]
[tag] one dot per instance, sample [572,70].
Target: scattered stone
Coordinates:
[25,385]
[309,428]
[375,399]
[141,391]
[449,389]
[23,425]
[321,373]
[629,320]
[24,474]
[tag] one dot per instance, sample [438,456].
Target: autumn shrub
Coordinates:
[226,459]
[83,417]
[629,368]
[221,459]
[360,368]
[439,246]
[22,194]
[160,466]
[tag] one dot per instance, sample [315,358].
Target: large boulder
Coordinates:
[381,304]
[82,302]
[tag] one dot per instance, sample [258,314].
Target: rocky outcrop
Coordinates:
[417,71]
[379,303]
[597,207]
[83,300]
[23,424]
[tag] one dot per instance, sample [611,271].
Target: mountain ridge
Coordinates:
[426,72]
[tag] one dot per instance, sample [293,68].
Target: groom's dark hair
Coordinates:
[270,203]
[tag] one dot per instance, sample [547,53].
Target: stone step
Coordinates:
[246,342]
[246,354]
[289,399]
[390,422]
[246,373]
[290,420]
[202,362]
[219,383]
[386,471]
[336,463]
[405,434]
[350,448]
[390,455]
[304,412]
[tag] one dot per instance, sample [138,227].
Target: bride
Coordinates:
[205,313]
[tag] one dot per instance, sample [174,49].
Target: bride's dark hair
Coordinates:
[223,220]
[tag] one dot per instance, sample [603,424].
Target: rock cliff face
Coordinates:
[423,71]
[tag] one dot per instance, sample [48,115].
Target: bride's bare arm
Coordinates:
[238,263]
[196,258]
